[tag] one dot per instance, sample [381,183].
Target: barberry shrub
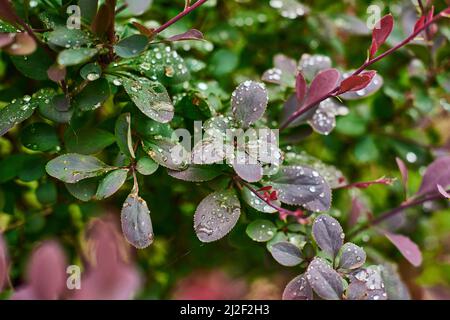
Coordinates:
[114,106]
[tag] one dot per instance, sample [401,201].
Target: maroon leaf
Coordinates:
[193,34]
[325,281]
[420,23]
[437,173]
[56,73]
[46,274]
[7,12]
[371,88]
[381,33]
[328,234]
[23,45]
[407,248]
[301,88]
[102,20]
[298,289]
[323,84]
[403,171]
[351,256]
[3,264]
[358,209]
[357,82]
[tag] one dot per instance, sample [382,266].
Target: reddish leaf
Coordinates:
[3,264]
[322,85]
[102,20]
[419,23]
[7,12]
[381,33]
[407,248]
[437,173]
[403,171]
[301,87]
[23,45]
[56,73]
[366,184]
[357,82]
[193,34]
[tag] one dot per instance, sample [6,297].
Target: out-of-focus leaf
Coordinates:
[138,7]
[437,173]
[407,248]
[192,34]
[39,136]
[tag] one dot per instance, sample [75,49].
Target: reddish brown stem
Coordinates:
[367,64]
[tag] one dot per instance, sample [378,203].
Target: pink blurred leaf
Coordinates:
[357,211]
[323,84]
[407,248]
[437,173]
[301,87]
[6,39]
[192,34]
[403,170]
[56,73]
[443,191]
[23,45]
[46,274]
[3,264]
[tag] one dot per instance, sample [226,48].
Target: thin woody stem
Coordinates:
[188,9]
[367,64]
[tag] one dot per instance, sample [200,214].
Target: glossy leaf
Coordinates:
[325,281]
[216,215]
[286,254]
[261,230]
[136,223]
[195,174]
[73,57]
[437,173]
[72,168]
[328,234]
[93,95]
[39,136]
[147,166]
[249,102]
[298,289]
[351,256]
[111,183]
[151,98]
[131,46]
[302,186]
[123,135]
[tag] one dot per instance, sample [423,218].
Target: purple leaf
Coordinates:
[298,289]
[302,186]
[395,288]
[46,274]
[323,120]
[24,45]
[323,84]
[283,73]
[359,209]
[56,73]
[442,191]
[195,174]
[136,223]
[209,151]
[3,264]
[367,284]
[111,183]
[249,102]
[193,34]
[138,7]
[217,215]
[437,173]
[351,256]
[325,281]
[286,254]
[404,171]
[247,167]
[167,153]
[328,234]
[311,65]
[301,88]
[407,248]
[285,64]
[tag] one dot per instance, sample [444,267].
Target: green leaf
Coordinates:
[20,109]
[146,166]
[167,153]
[72,168]
[40,136]
[123,135]
[11,166]
[366,150]
[68,38]
[256,203]
[34,66]
[33,168]
[132,46]
[91,72]
[88,9]
[56,108]
[87,140]
[47,193]
[261,230]
[73,57]
[93,95]
[196,174]
[151,98]
[83,190]
[111,183]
